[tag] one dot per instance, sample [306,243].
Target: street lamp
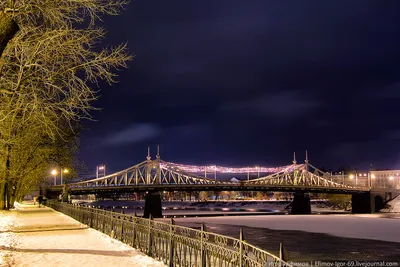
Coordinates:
[61,173]
[54,172]
[371,178]
[100,168]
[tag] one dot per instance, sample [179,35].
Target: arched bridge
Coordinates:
[158,175]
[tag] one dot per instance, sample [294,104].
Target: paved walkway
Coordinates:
[32,236]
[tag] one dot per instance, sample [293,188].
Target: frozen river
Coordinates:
[341,236]
[216,208]
[314,237]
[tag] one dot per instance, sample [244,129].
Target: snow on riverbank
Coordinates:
[353,226]
[39,237]
[7,239]
[393,205]
[75,248]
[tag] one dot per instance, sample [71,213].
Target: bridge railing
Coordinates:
[172,244]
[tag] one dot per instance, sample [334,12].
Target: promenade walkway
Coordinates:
[32,236]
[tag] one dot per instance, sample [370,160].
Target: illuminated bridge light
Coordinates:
[221,169]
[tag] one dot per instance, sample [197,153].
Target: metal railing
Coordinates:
[172,244]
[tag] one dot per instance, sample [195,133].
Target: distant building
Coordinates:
[356,178]
[386,178]
[381,178]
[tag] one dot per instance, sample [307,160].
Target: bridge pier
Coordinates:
[362,203]
[370,202]
[48,194]
[301,204]
[152,205]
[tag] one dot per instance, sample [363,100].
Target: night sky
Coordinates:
[241,83]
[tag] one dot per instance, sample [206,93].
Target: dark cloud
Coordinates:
[234,82]
[282,105]
[135,133]
[391,92]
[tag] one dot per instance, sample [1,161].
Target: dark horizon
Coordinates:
[238,84]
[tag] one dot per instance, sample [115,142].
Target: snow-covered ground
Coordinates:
[6,239]
[39,237]
[393,205]
[354,226]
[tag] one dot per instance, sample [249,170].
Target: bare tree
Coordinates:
[51,65]
[8,29]
[203,195]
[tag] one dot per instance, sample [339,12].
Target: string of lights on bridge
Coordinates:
[239,170]
[221,169]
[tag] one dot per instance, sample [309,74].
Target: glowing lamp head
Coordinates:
[390,177]
[351,176]
[54,172]
[65,171]
[101,168]
[373,176]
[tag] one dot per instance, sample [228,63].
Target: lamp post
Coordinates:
[61,174]
[54,172]
[371,178]
[356,178]
[351,176]
[100,168]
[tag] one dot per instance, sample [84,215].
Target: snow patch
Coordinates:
[393,205]
[7,219]
[61,247]
[7,239]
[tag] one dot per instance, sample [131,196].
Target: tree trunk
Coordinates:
[4,196]
[11,201]
[6,189]
[10,195]
[2,200]
[8,29]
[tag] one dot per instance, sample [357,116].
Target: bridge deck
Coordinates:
[216,187]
